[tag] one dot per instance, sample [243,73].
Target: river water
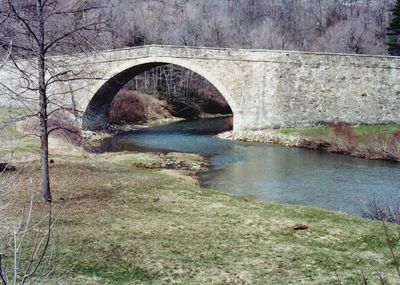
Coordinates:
[271,172]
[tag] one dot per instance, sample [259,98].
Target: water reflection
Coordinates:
[306,177]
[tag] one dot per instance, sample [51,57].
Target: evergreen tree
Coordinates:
[393,31]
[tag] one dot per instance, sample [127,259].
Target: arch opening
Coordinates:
[96,116]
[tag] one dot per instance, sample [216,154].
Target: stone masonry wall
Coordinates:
[266,89]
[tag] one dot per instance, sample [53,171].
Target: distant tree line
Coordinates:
[346,26]
[343,26]
[393,33]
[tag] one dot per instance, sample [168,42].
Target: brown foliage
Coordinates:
[60,126]
[187,93]
[372,146]
[132,107]
[344,141]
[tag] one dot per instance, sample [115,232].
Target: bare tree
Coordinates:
[41,28]
[341,26]
[20,235]
[300,25]
[38,29]
[24,245]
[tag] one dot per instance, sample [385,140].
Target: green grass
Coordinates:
[374,129]
[361,130]
[12,142]
[126,224]
[119,276]
[19,148]
[315,132]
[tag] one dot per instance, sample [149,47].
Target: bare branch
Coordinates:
[75,11]
[24,22]
[66,35]
[46,240]
[7,56]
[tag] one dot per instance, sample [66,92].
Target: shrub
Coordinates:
[65,128]
[344,141]
[371,146]
[383,210]
[60,126]
[132,107]
[343,129]
[394,147]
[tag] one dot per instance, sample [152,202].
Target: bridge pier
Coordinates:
[95,122]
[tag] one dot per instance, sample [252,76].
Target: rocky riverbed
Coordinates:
[264,136]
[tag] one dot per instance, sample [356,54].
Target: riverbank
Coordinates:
[127,220]
[375,142]
[91,136]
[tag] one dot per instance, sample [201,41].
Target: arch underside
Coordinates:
[96,115]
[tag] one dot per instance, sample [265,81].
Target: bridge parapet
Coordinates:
[266,89]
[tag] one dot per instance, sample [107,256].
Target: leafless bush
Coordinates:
[344,140]
[388,212]
[65,128]
[383,210]
[394,147]
[372,146]
[343,129]
[130,107]
[60,126]
[379,146]
[26,251]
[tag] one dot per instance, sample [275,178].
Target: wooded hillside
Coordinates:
[347,26]
[340,26]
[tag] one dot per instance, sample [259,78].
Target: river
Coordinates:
[270,172]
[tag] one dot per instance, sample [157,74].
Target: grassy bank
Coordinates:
[360,130]
[128,222]
[379,142]
[367,141]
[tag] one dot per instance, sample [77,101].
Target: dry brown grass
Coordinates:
[125,224]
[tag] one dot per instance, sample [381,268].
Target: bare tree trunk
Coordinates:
[43,116]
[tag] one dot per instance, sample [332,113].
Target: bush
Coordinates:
[132,107]
[344,141]
[383,210]
[60,126]
[372,146]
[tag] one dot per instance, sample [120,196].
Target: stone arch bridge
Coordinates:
[264,88]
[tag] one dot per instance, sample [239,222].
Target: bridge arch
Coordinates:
[95,116]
